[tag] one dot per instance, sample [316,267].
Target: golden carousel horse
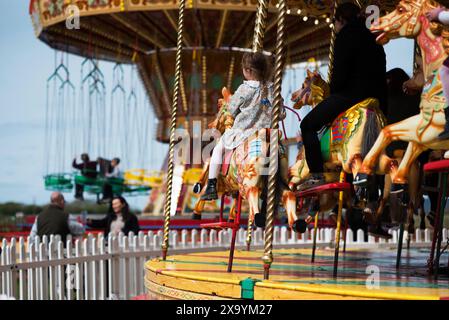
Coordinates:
[343,147]
[243,170]
[420,131]
[344,144]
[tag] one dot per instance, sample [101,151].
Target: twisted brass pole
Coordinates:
[167,208]
[274,139]
[259,35]
[230,73]
[332,44]
[259,31]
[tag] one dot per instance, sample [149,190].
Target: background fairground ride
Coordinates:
[140,35]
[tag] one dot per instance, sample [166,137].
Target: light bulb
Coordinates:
[299,11]
[328,20]
[305,18]
[288,11]
[316,22]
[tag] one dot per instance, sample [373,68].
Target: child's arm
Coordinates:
[237,100]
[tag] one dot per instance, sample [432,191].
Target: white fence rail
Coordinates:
[99,268]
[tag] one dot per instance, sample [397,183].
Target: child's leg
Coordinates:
[216,160]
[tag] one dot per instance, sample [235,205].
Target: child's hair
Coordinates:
[261,67]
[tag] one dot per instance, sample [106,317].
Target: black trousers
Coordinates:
[323,114]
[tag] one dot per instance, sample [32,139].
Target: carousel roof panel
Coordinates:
[145,32]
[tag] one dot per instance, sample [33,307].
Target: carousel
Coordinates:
[186,52]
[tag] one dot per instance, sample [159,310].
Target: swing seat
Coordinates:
[119,186]
[91,185]
[58,182]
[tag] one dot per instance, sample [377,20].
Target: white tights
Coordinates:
[216,160]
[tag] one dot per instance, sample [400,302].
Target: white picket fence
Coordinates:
[99,268]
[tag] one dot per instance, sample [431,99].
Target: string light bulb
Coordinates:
[328,20]
[317,22]
[305,18]
[299,11]
[288,11]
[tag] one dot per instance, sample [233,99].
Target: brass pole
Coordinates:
[259,34]
[230,73]
[204,83]
[274,139]
[332,44]
[167,208]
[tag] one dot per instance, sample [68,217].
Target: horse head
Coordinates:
[313,91]
[407,20]
[224,119]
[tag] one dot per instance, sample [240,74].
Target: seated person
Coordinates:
[358,73]
[88,169]
[113,172]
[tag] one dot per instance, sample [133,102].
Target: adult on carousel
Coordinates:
[359,72]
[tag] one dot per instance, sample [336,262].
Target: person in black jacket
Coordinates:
[359,70]
[88,169]
[119,219]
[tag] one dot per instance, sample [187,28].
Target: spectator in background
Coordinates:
[54,221]
[88,169]
[119,219]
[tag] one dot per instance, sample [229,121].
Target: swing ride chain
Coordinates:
[274,136]
[167,209]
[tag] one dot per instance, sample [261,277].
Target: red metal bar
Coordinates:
[234,234]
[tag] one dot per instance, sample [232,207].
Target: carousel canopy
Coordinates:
[216,32]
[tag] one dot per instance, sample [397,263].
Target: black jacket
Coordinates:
[359,69]
[88,169]
[131,223]
[53,220]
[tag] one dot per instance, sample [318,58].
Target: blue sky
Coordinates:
[26,63]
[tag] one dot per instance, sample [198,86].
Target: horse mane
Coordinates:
[438,29]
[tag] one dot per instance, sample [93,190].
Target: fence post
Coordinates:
[60,272]
[43,271]
[22,278]
[93,269]
[102,269]
[79,287]
[70,283]
[13,261]
[194,238]
[32,294]
[51,270]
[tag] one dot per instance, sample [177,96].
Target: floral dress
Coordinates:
[249,112]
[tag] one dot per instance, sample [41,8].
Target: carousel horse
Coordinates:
[344,144]
[420,131]
[242,171]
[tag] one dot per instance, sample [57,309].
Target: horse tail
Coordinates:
[370,132]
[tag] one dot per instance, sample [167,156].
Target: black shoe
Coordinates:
[378,231]
[314,180]
[431,218]
[196,216]
[361,180]
[211,191]
[260,220]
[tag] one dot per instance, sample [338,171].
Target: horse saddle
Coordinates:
[334,135]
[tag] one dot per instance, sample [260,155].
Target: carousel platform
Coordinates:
[203,275]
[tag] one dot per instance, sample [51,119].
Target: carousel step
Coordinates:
[220,225]
[313,192]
